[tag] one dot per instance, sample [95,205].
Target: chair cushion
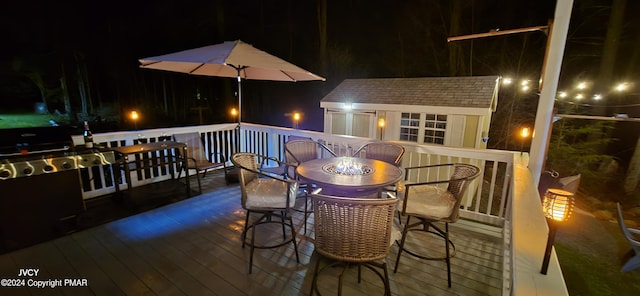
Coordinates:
[267,193]
[427,201]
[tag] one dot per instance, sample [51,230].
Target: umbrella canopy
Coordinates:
[230,59]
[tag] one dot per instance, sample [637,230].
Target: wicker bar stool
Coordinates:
[353,231]
[270,197]
[297,152]
[428,203]
[385,151]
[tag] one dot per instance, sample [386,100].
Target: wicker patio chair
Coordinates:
[297,152]
[633,237]
[385,151]
[277,166]
[269,197]
[304,150]
[353,231]
[428,202]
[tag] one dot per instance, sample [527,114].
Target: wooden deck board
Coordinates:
[156,282]
[127,281]
[100,282]
[193,247]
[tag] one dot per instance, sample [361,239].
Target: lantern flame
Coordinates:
[558,204]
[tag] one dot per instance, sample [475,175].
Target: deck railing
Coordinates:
[487,202]
[486,208]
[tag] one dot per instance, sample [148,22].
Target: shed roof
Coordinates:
[467,91]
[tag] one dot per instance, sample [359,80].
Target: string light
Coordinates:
[600,106]
[582,85]
[621,87]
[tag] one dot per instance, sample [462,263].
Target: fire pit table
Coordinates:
[349,176]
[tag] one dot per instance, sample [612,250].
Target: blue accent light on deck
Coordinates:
[172,219]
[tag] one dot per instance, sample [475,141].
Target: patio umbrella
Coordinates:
[230,59]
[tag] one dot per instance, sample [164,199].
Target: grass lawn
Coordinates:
[589,275]
[30,120]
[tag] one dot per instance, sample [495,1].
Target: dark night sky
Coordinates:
[380,38]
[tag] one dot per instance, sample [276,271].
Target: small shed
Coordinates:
[451,111]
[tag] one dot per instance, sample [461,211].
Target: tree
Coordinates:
[633,173]
[322,33]
[65,94]
[577,147]
[36,75]
[611,43]
[83,84]
[457,65]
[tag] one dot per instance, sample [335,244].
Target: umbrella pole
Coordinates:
[239,97]
[239,110]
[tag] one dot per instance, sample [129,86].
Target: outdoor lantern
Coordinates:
[524,134]
[557,206]
[134,117]
[381,124]
[296,119]
[234,115]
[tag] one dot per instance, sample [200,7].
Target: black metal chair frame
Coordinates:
[293,164]
[267,215]
[425,225]
[200,165]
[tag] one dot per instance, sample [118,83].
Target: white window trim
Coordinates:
[420,134]
[445,130]
[421,127]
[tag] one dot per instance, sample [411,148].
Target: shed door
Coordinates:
[338,123]
[361,125]
[455,130]
[358,124]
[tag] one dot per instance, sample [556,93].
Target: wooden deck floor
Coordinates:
[193,247]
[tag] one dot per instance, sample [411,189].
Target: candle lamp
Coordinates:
[134,117]
[296,119]
[234,113]
[381,124]
[524,134]
[557,206]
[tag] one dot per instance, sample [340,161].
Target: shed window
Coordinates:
[430,129]
[434,128]
[409,127]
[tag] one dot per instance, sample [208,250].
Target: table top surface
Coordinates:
[377,174]
[147,147]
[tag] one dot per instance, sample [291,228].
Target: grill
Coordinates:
[33,151]
[40,187]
